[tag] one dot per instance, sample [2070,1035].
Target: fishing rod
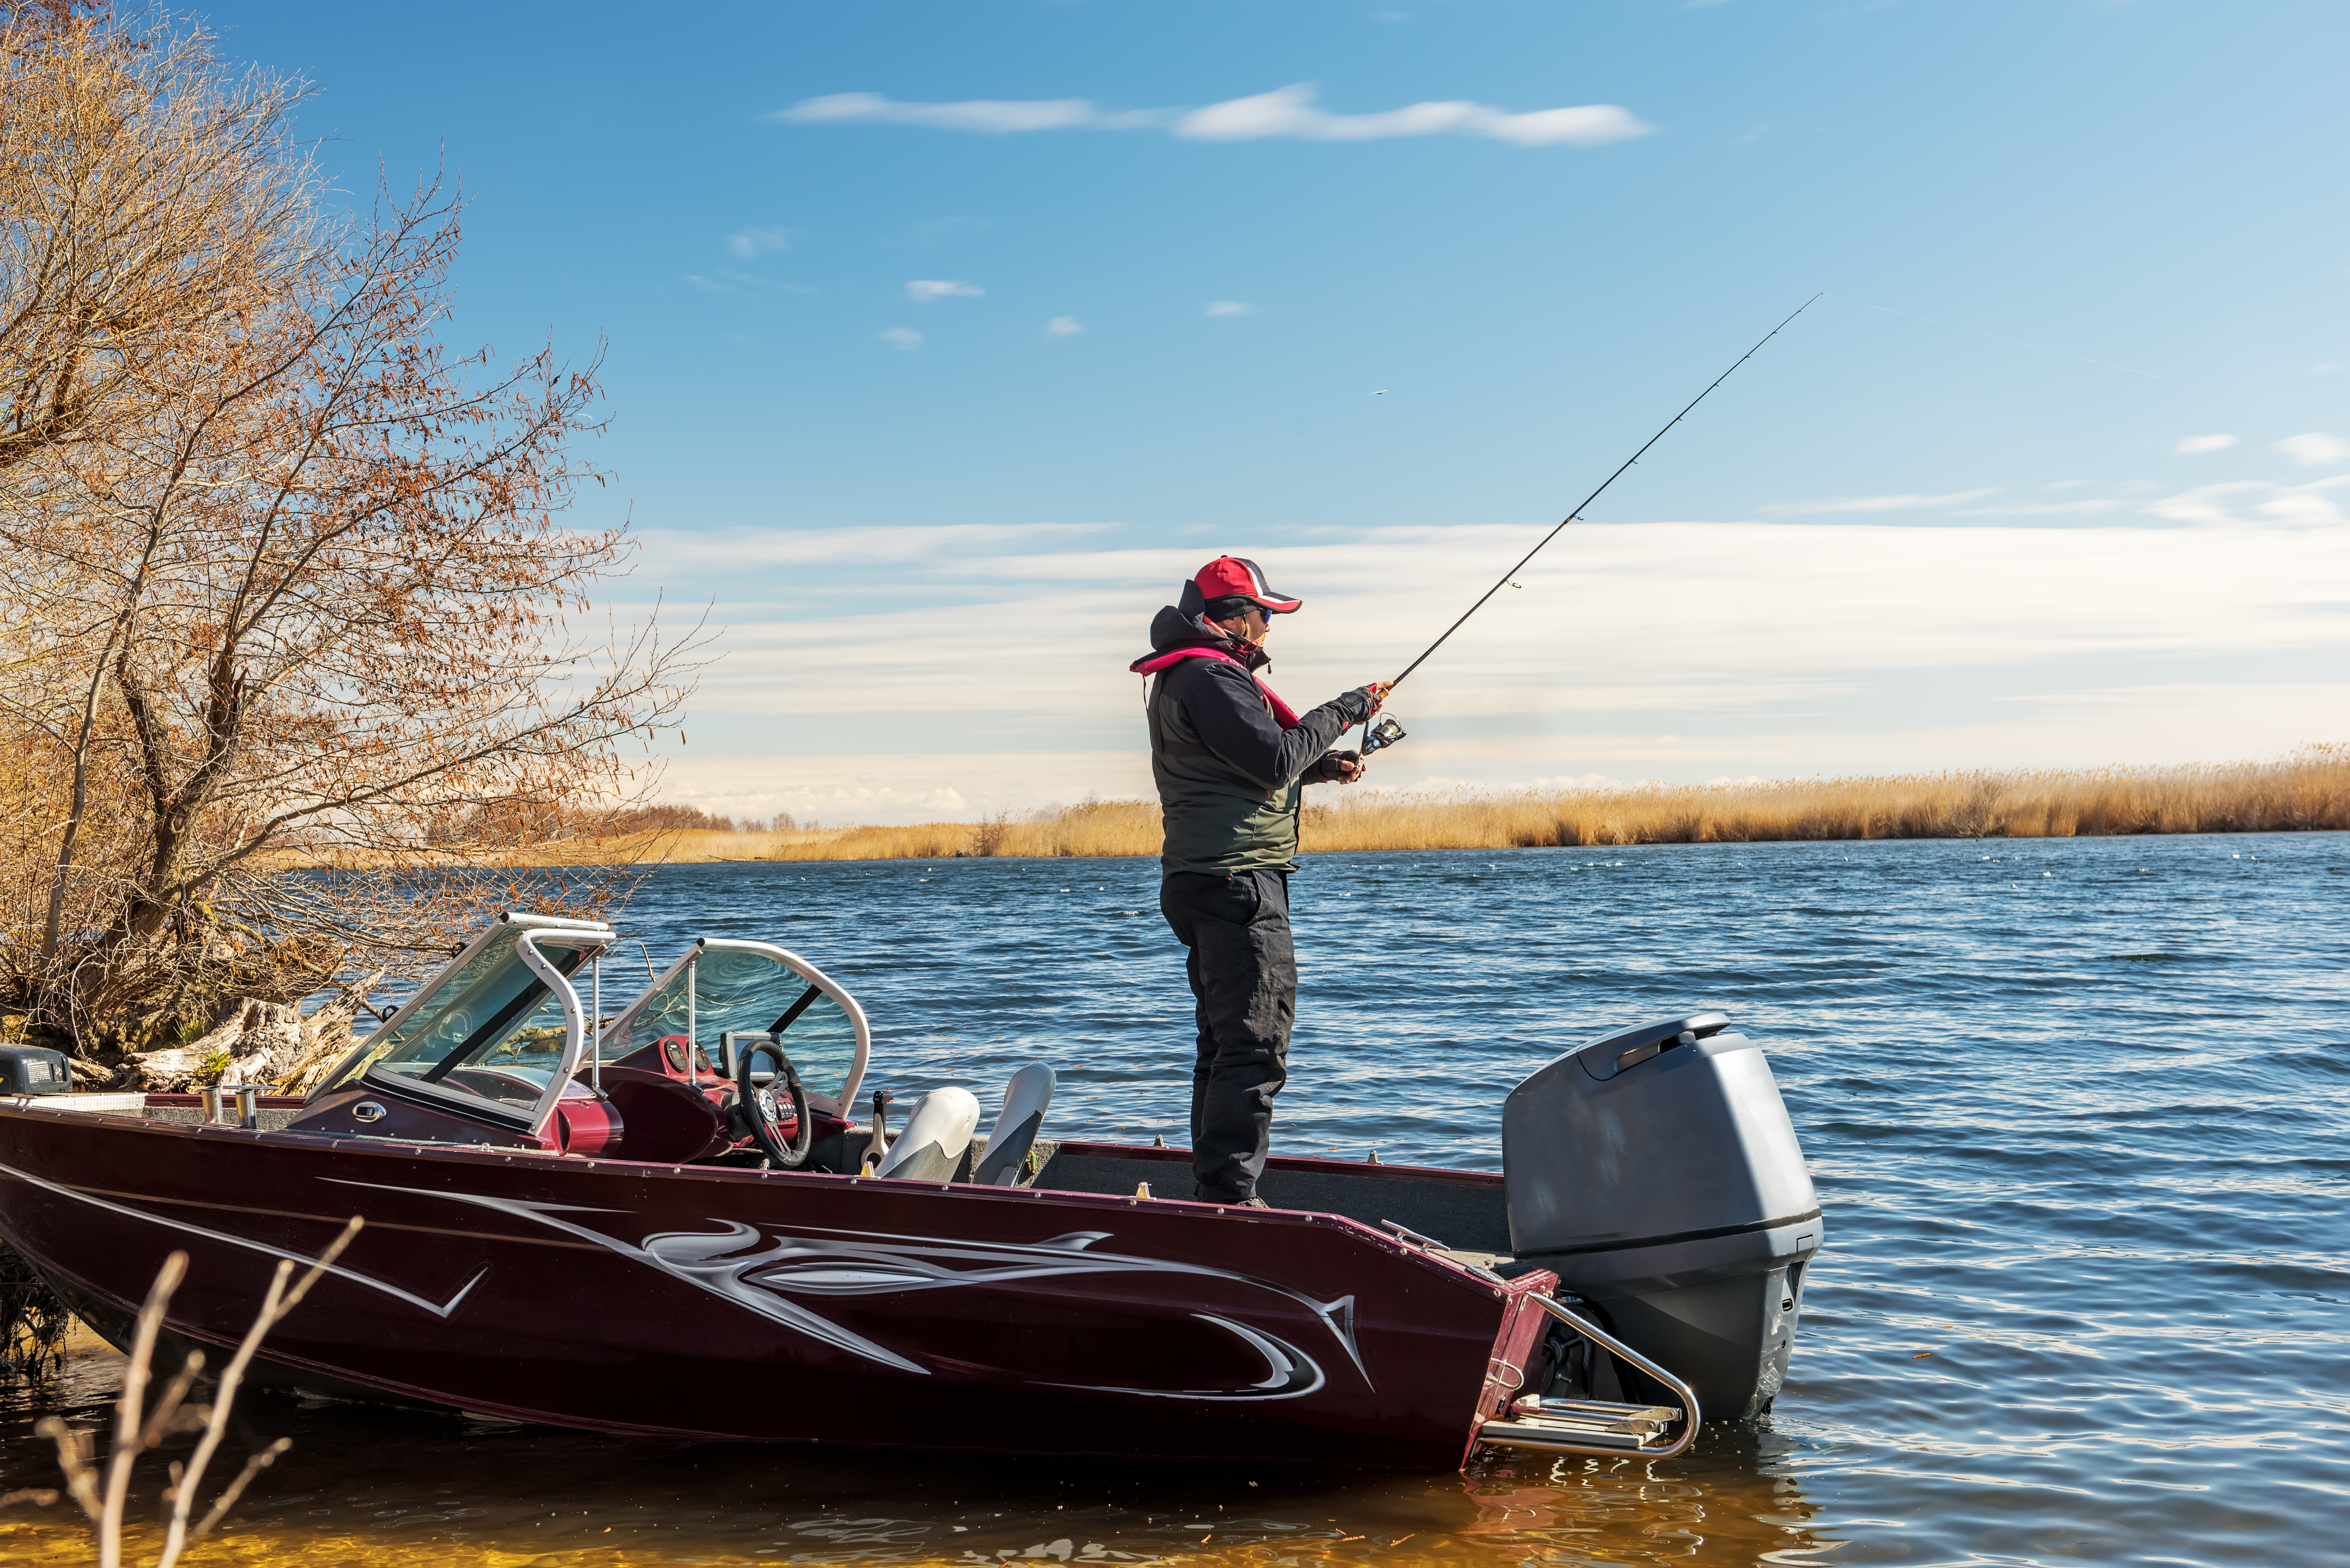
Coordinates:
[1386,732]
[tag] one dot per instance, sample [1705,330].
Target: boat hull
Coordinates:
[712,1302]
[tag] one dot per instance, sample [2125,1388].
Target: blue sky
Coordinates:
[944,339]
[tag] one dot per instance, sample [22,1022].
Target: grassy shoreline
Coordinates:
[2308,791]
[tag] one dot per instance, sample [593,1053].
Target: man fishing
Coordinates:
[1230,760]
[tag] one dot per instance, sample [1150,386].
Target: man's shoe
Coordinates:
[1252,1202]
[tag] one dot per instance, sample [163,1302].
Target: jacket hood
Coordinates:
[1173,627]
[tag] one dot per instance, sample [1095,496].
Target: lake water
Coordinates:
[2078,1112]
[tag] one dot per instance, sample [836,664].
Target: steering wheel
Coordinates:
[756,1084]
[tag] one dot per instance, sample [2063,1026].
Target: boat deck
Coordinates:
[1462,1208]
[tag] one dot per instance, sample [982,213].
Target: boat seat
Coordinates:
[1025,1100]
[663,1120]
[937,1132]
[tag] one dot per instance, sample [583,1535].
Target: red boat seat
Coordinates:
[663,1120]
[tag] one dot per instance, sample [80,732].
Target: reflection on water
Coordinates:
[2076,1111]
[383,1487]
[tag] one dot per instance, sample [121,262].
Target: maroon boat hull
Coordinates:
[713,1302]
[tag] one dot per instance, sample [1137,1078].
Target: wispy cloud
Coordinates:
[726,280]
[1877,504]
[1065,326]
[930,290]
[2042,509]
[991,117]
[749,242]
[2193,446]
[1229,307]
[730,548]
[2314,448]
[2253,502]
[1291,111]
[825,628]
[903,337]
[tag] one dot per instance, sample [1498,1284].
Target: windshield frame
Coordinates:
[589,938]
[789,960]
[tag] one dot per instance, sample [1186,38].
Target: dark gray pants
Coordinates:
[1244,974]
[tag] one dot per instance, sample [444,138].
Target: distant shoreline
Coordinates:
[2307,791]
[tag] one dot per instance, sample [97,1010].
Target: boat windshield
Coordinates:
[489,1030]
[747,988]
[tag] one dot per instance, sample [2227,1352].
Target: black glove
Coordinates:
[1326,768]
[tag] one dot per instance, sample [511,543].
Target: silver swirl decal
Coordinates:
[438,1309]
[825,1263]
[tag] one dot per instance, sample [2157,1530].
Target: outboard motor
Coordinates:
[1656,1173]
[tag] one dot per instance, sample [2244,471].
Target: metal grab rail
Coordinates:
[1555,1439]
[1513,1433]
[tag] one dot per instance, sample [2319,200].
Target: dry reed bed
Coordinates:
[2308,790]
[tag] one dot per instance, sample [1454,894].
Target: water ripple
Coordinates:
[2077,1110]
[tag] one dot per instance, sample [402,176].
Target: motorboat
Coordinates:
[672,1219]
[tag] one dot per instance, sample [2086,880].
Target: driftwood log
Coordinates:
[257,1042]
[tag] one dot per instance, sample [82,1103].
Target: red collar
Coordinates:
[1281,710]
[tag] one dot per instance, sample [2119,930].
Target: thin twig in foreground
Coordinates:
[274,1308]
[128,1425]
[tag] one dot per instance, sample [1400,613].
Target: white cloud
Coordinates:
[2302,506]
[1065,326]
[2042,509]
[930,290]
[733,549]
[2314,448]
[1877,504]
[2195,446]
[1798,649]
[987,115]
[2247,503]
[1229,307]
[1289,111]
[759,241]
[2327,369]
[728,281]
[2204,503]
[904,337]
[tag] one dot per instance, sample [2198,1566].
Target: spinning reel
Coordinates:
[1382,734]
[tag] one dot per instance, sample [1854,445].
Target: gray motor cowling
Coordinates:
[1655,1171]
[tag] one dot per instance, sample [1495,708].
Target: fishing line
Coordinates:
[1386,732]
[1504,580]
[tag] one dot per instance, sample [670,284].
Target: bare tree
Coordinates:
[148,195]
[300,594]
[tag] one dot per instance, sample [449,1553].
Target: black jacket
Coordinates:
[1228,774]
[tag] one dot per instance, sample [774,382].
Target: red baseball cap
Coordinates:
[1230,577]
